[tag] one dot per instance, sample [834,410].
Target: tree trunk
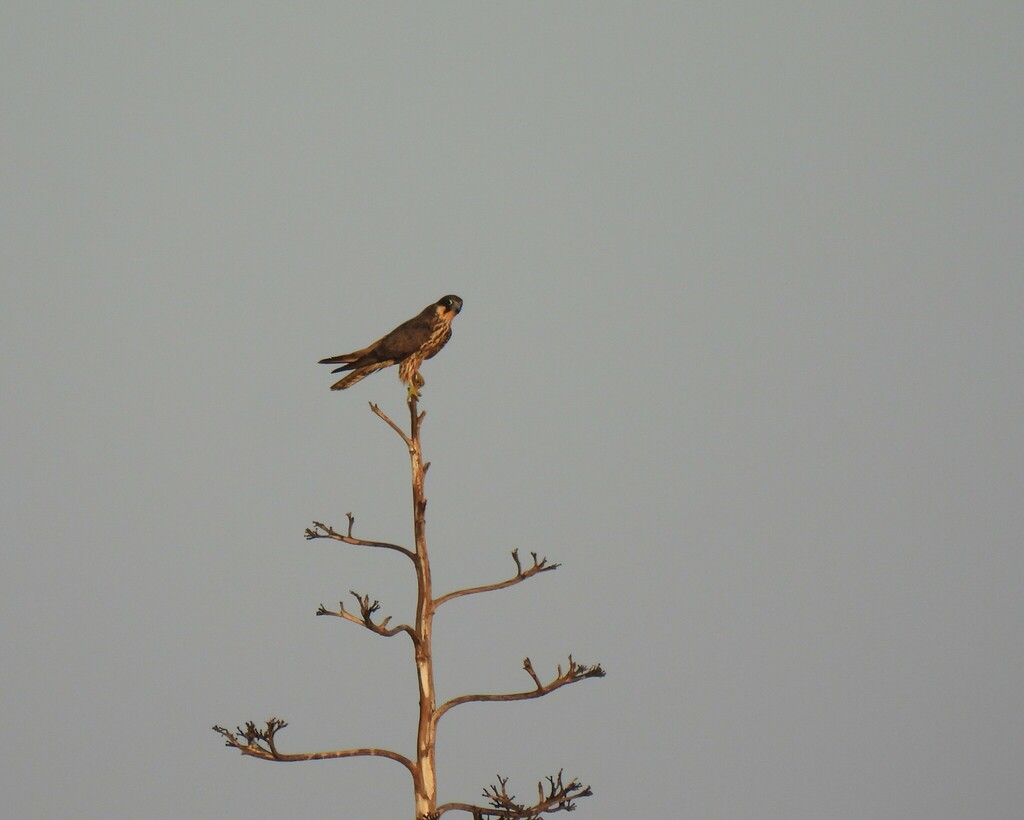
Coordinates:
[425,778]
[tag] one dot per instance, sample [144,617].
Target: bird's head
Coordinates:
[450,303]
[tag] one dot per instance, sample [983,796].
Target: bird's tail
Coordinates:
[357,376]
[348,359]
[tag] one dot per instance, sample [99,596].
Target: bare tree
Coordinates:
[554,794]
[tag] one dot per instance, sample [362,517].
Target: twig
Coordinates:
[558,796]
[261,743]
[529,668]
[575,672]
[391,424]
[319,530]
[539,565]
[366,610]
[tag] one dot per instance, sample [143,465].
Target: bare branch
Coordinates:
[365,618]
[261,743]
[557,796]
[575,672]
[529,668]
[391,424]
[539,565]
[319,530]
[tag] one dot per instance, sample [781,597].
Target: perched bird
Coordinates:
[408,346]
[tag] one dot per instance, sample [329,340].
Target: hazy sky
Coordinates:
[741,348]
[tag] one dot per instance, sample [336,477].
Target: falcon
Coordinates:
[408,346]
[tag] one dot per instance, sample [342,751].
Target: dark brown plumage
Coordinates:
[408,346]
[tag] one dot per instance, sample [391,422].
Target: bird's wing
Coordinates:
[403,341]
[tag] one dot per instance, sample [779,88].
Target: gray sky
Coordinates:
[741,348]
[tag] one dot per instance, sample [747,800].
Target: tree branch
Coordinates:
[395,427]
[558,796]
[575,672]
[365,618]
[319,530]
[539,565]
[260,743]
